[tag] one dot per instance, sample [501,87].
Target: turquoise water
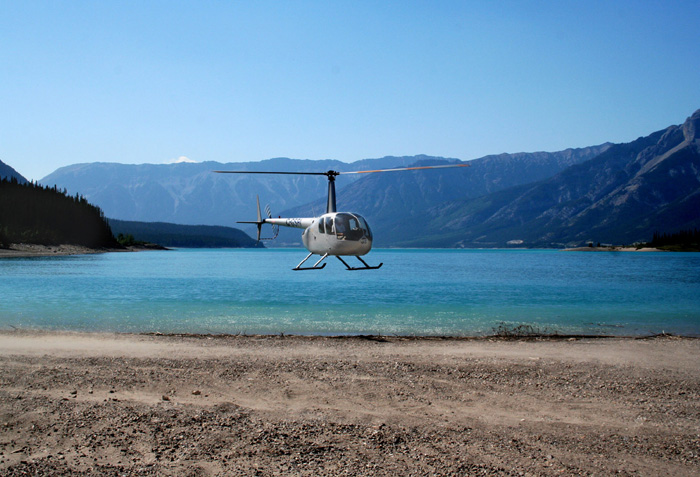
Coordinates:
[417,292]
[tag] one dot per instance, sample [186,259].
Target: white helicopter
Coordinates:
[334,233]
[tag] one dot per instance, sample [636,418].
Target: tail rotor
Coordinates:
[259,223]
[275,227]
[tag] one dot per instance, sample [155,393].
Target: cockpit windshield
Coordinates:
[351,227]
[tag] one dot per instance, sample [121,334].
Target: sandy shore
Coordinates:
[24,250]
[613,249]
[21,250]
[98,404]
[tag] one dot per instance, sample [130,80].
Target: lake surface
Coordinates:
[417,292]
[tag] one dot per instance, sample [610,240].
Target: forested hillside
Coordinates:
[683,241]
[187,236]
[31,213]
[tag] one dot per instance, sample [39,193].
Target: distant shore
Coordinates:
[34,250]
[21,250]
[24,250]
[612,249]
[100,403]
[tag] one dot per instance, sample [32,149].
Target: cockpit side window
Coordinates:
[329,225]
[365,227]
[348,227]
[321,227]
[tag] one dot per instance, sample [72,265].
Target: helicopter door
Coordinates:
[348,227]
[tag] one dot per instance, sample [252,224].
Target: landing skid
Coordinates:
[315,266]
[366,266]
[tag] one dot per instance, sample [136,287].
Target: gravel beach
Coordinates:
[109,404]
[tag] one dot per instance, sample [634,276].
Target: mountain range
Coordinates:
[623,195]
[190,193]
[610,193]
[396,204]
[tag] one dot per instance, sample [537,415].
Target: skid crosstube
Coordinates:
[314,267]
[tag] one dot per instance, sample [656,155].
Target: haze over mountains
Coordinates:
[611,193]
[623,195]
[190,193]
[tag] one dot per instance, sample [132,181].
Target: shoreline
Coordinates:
[24,250]
[150,404]
[508,335]
[613,249]
[398,338]
[35,250]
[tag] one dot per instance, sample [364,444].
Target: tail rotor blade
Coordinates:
[275,227]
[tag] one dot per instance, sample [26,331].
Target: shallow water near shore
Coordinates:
[416,292]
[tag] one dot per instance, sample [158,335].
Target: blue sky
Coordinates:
[152,81]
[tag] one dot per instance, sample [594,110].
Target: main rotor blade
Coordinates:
[274,172]
[407,169]
[332,174]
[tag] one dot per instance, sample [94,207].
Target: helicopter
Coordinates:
[338,234]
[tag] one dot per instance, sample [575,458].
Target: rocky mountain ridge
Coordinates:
[393,202]
[623,195]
